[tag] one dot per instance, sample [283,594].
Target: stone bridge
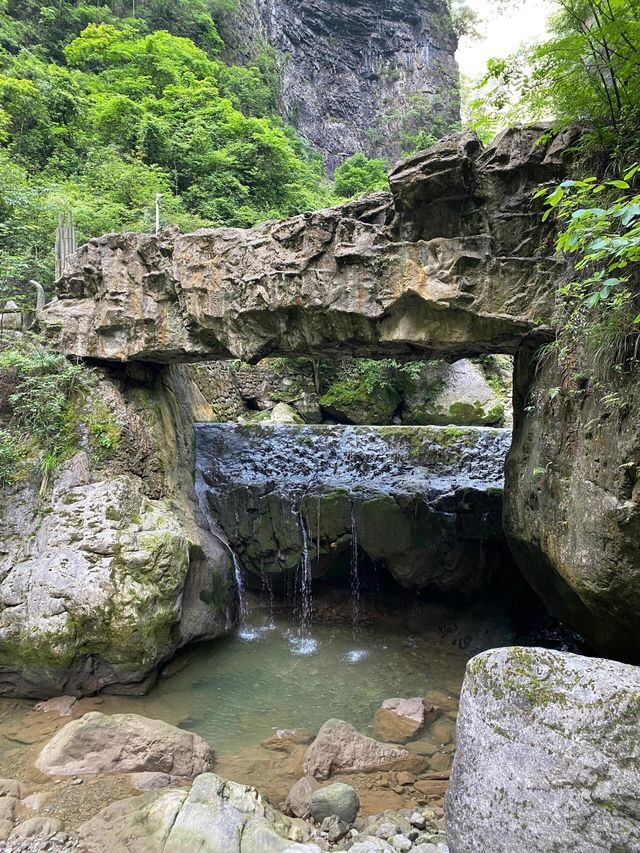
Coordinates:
[454,262]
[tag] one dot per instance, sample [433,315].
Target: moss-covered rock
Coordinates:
[547,757]
[352,401]
[110,569]
[456,393]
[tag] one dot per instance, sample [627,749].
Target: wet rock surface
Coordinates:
[456,262]
[548,755]
[422,501]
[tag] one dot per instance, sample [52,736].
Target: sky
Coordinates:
[501,34]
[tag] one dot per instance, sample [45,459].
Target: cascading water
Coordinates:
[242,597]
[304,642]
[355,654]
[420,502]
[356,589]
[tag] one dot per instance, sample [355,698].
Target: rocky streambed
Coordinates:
[546,761]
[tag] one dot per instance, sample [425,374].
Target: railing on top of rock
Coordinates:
[18,316]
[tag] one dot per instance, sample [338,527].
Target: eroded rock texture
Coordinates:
[358,75]
[104,576]
[572,496]
[455,263]
[547,757]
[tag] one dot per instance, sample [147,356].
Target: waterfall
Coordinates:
[304,644]
[242,598]
[356,591]
[306,604]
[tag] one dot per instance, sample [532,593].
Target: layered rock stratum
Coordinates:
[455,262]
[356,75]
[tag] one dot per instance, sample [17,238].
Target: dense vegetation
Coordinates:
[586,72]
[48,409]
[101,109]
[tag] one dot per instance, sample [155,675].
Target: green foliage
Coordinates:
[600,232]
[587,70]
[9,456]
[46,403]
[101,110]
[359,175]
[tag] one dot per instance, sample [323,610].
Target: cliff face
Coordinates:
[359,75]
[572,496]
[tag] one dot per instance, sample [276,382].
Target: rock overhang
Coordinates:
[455,262]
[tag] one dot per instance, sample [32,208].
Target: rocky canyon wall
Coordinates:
[357,75]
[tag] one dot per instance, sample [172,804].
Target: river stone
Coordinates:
[338,799]
[340,748]
[549,755]
[299,797]
[60,705]
[215,816]
[400,719]
[124,743]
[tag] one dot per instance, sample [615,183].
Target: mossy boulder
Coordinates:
[354,402]
[109,570]
[547,758]
[458,393]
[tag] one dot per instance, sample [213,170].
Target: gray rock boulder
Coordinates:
[337,800]
[124,743]
[340,748]
[453,394]
[215,816]
[549,755]
[110,570]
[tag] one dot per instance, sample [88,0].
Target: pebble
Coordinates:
[401,843]
[418,820]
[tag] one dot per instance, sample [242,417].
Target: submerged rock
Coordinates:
[215,816]
[400,719]
[340,748]
[549,755]
[337,800]
[124,743]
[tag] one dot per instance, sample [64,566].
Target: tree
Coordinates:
[359,175]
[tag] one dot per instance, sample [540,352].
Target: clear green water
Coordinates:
[236,691]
